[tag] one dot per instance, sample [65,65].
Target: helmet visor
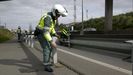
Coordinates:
[64,14]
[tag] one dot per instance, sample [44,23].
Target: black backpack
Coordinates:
[36,32]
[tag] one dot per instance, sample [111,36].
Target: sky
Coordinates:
[23,13]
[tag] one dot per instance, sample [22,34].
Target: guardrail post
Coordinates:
[54,56]
[54,52]
[29,40]
[32,41]
[26,39]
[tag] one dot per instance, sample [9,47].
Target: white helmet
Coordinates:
[59,9]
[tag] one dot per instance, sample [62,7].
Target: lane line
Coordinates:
[98,62]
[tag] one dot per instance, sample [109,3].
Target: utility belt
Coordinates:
[38,31]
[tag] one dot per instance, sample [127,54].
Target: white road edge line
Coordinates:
[98,62]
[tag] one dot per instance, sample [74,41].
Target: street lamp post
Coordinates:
[87,14]
[82,32]
[132,6]
[72,27]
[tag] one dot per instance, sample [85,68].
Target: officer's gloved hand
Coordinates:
[58,36]
[53,44]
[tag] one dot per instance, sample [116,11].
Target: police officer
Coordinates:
[63,32]
[19,33]
[46,29]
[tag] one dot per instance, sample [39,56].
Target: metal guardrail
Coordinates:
[122,48]
[118,36]
[28,39]
[113,46]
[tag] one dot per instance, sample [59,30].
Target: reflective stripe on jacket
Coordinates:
[64,32]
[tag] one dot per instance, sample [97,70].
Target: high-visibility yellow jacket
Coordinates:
[18,30]
[47,28]
[64,31]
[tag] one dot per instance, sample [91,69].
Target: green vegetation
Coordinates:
[120,22]
[5,35]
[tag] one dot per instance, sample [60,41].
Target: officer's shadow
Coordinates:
[25,66]
[13,62]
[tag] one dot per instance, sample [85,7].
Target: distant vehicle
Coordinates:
[89,29]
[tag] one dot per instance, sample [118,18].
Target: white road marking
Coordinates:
[98,62]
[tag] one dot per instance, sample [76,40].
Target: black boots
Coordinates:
[48,68]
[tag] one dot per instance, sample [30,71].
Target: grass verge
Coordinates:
[5,35]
